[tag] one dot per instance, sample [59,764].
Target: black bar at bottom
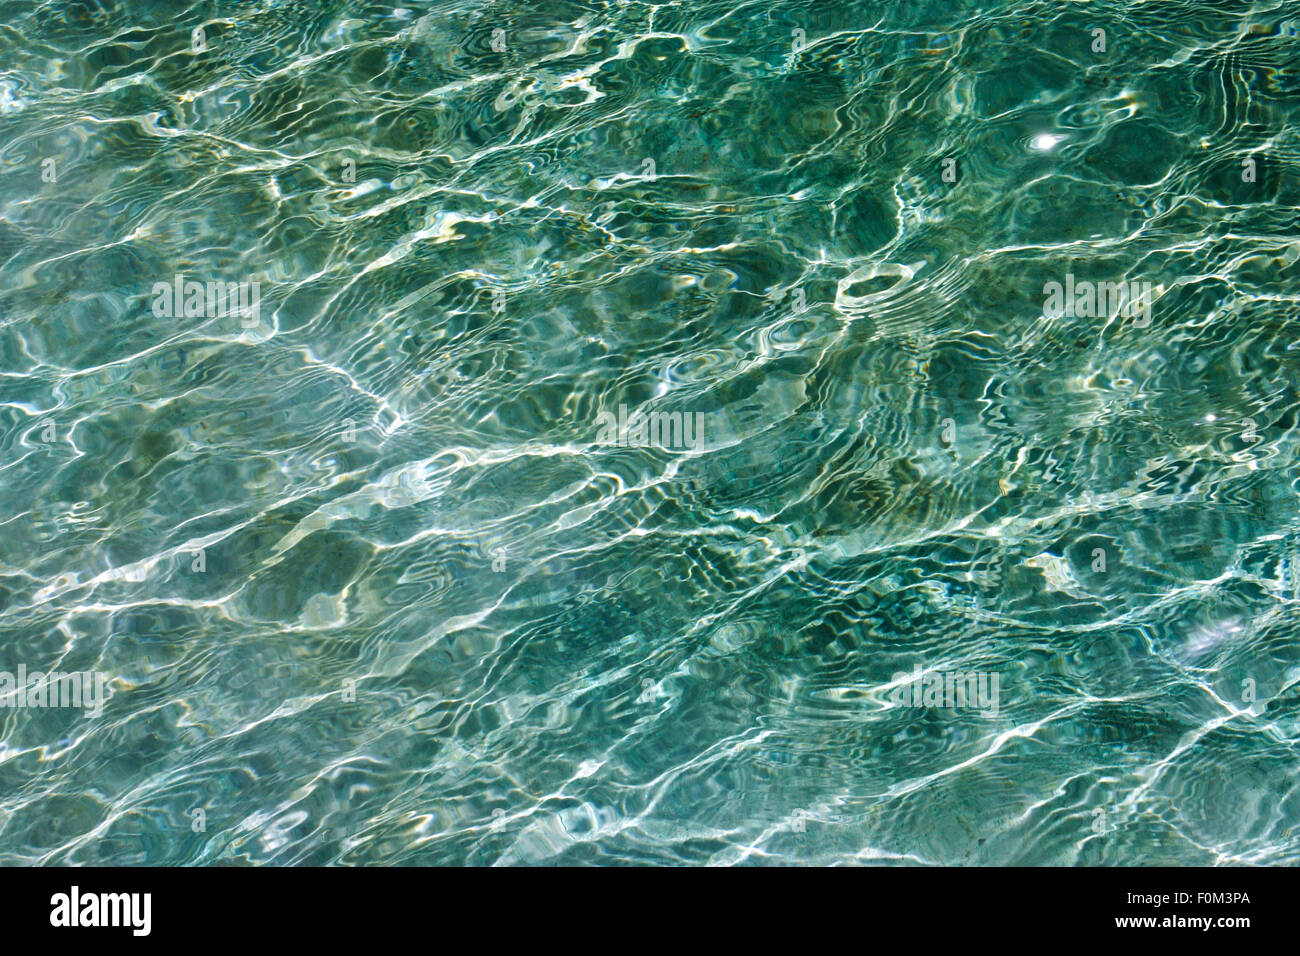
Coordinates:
[339,907]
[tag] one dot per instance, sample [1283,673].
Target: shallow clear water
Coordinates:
[372,580]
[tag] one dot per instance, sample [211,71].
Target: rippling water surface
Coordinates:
[373,571]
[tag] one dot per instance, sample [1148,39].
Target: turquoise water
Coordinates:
[383,561]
